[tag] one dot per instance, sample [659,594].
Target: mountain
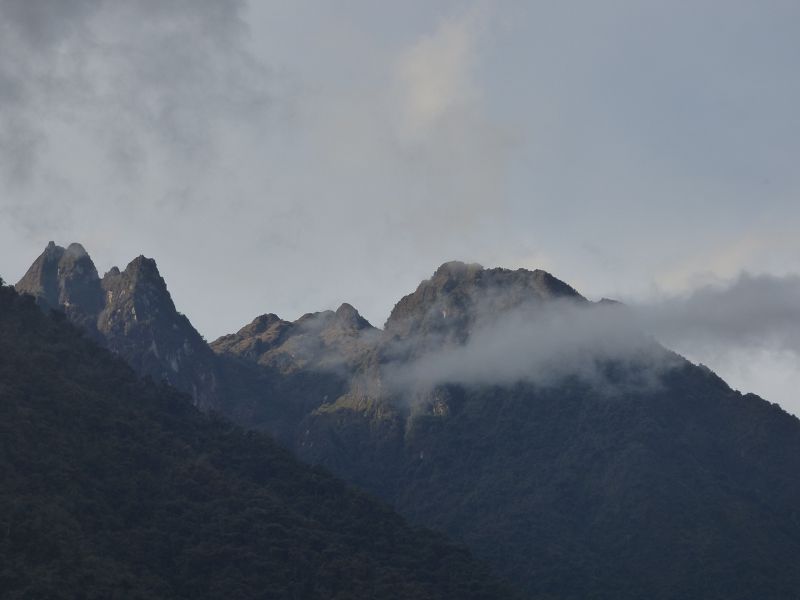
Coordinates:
[607,467]
[115,487]
[576,455]
[130,312]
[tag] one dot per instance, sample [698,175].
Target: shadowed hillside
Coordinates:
[117,488]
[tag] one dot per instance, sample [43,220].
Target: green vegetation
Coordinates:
[115,488]
[690,490]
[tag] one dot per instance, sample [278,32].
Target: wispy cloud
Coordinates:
[122,76]
[750,311]
[435,75]
[541,344]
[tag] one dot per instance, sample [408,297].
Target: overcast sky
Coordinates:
[288,156]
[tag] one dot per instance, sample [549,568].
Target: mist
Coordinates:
[747,329]
[752,318]
[542,344]
[750,311]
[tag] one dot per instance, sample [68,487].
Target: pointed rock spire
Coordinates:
[66,280]
[131,312]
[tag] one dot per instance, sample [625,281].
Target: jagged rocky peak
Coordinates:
[130,312]
[141,266]
[41,278]
[141,323]
[65,279]
[449,303]
[347,316]
[74,250]
[267,323]
[323,340]
[345,319]
[261,334]
[140,285]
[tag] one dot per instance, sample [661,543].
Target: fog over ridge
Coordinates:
[542,345]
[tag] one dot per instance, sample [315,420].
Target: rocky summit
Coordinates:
[328,340]
[457,295]
[130,312]
[66,280]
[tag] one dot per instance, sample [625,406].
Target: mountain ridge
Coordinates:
[612,469]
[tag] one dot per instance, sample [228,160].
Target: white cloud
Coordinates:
[543,344]
[435,75]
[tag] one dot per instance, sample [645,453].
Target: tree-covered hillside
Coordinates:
[111,487]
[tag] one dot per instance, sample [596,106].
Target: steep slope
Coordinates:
[130,312]
[140,323]
[114,487]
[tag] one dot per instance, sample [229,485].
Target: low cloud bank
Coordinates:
[545,344]
[608,345]
[755,311]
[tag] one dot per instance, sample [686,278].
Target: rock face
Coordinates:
[448,304]
[322,341]
[66,280]
[278,372]
[130,312]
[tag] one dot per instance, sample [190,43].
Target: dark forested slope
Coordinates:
[111,487]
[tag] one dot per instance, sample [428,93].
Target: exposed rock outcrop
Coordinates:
[130,312]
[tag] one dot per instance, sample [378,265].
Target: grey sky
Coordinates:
[287,156]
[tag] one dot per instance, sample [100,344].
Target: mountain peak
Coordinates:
[458,293]
[67,280]
[457,268]
[139,287]
[52,248]
[263,322]
[348,316]
[141,278]
[75,250]
[140,322]
[143,265]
